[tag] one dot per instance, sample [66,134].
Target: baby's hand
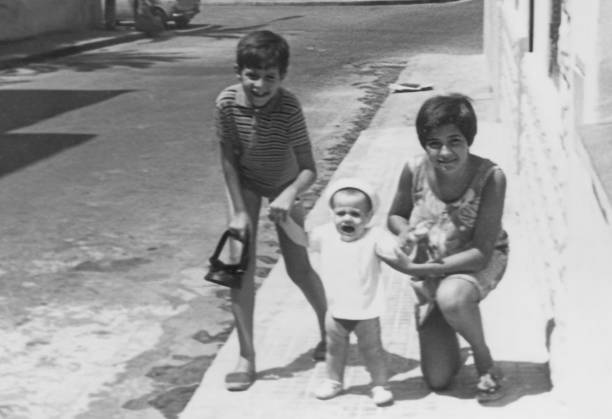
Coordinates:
[279,208]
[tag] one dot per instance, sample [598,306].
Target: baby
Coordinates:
[350,268]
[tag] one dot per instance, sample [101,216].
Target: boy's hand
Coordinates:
[239,224]
[279,208]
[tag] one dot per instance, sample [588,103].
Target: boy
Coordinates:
[265,153]
[350,267]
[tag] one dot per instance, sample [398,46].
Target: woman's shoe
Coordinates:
[328,389]
[489,388]
[239,380]
[381,396]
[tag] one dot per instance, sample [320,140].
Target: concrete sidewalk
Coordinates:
[515,314]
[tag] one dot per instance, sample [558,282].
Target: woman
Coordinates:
[459,197]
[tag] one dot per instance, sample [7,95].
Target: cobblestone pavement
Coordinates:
[285,327]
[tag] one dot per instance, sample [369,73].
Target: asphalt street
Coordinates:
[112,194]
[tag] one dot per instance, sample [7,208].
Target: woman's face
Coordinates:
[447,149]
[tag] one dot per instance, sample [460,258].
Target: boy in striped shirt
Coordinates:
[265,153]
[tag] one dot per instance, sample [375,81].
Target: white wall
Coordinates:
[26,18]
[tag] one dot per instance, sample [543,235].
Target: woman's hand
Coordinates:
[239,224]
[280,207]
[398,260]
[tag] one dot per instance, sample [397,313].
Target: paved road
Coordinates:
[112,196]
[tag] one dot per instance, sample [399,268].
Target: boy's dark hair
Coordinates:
[453,108]
[262,50]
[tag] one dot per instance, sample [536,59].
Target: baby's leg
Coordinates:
[243,299]
[338,332]
[300,271]
[370,345]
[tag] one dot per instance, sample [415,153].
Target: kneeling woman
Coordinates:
[459,198]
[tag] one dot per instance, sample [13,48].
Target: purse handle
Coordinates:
[245,247]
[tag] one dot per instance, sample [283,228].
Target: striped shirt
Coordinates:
[271,143]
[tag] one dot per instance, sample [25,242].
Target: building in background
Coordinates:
[550,63]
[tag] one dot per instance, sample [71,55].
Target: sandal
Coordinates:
[489,388]
[239,380]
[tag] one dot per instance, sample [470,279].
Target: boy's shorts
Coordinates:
[484,280]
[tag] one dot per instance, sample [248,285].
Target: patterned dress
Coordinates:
[451,223]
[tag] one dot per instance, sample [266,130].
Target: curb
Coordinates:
[17,59]
[21,59]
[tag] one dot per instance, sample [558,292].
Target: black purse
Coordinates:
[228,275]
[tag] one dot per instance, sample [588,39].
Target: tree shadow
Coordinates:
[22,108]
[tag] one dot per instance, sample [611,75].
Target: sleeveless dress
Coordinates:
[452,224]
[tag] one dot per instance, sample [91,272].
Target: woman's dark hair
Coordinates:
[453,108]
[262,50]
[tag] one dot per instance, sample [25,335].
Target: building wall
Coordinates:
[545,95]
[21,19]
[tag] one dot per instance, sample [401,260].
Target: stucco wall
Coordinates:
[25,18]
[570,231]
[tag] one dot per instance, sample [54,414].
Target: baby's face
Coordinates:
[352,212]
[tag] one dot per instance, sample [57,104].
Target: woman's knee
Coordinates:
[454,295]
[438,381]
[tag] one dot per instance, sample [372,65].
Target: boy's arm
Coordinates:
[239,220]
[298,136]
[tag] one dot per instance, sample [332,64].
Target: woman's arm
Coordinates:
[486,232]
[402,206]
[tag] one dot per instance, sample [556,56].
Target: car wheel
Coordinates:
[159,15]
[181,22]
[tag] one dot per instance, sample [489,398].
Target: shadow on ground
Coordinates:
[56,55]
[23,108]
[520,379]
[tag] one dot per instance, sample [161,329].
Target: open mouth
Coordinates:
[259,95]
[348,229]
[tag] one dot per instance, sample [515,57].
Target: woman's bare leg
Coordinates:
[458,300]
[440,356]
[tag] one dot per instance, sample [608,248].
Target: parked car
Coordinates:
[179,11]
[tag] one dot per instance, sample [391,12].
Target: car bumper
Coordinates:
[176,14]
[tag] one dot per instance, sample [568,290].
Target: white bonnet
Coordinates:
[354,183]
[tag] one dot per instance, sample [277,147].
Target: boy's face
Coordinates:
[260,85]
[352,213]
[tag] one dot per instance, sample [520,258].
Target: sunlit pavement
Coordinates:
[285,327]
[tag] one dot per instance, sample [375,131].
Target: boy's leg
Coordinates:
[338,332]
[371,347]
[243,299]
[301,272]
